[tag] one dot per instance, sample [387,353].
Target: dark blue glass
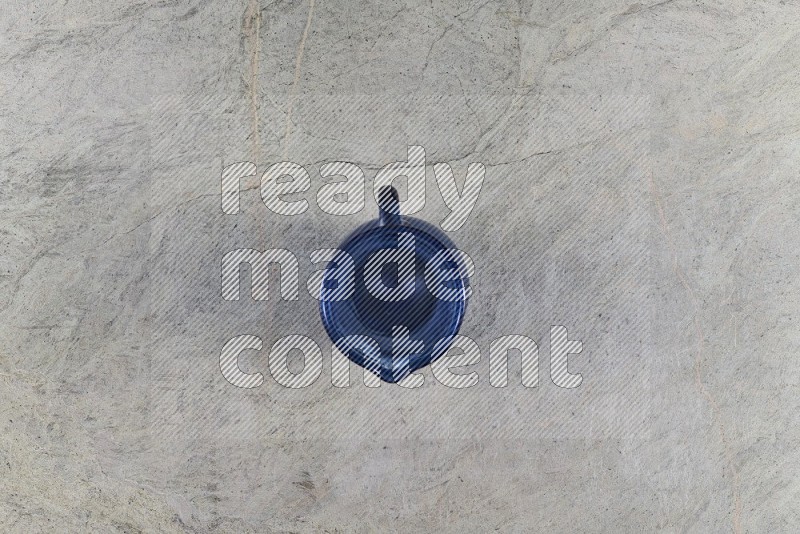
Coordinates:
[431,321]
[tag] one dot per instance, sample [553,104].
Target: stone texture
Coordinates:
[641,189]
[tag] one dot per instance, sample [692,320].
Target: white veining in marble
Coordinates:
[642,189]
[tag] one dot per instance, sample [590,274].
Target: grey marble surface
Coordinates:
[641,189]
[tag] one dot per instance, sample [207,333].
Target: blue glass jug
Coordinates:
[393,338]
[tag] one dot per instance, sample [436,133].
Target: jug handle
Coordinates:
[389,206]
